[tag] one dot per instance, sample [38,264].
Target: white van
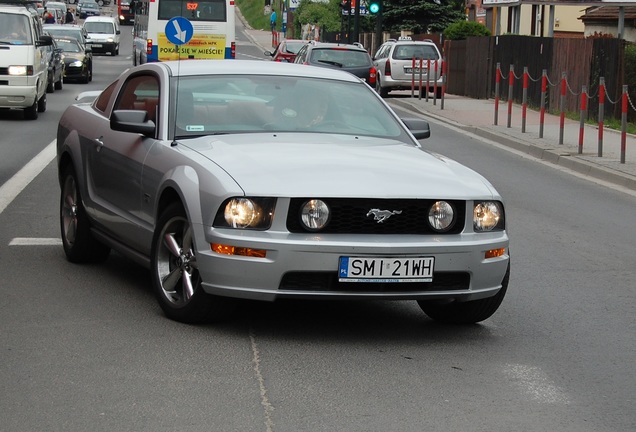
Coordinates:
[103,34]
[23,59]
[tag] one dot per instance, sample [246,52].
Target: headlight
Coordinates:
[314,214]
[76,63]
[441,216]
[246,213]
[488,215]
[110,40]
[18,70]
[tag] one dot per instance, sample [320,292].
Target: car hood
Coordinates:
[285,164]
[70,57]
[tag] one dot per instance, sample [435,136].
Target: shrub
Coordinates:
[464,29]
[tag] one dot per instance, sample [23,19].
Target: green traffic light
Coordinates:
[374,7]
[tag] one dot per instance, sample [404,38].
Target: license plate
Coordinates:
[96,45]
[386,269]
[417,70]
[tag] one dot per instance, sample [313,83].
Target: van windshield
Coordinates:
[15,30]
[99,27]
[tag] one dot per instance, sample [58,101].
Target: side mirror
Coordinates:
[419,128]
[45,40]
[133,121]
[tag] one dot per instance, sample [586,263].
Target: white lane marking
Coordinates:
[35,241]
[16,184]
[536,383]
[267,406]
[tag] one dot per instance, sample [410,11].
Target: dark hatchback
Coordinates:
[350,58]
[76,61]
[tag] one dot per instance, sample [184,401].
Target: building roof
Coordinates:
[607,13]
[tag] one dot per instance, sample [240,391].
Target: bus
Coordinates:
[125,12]
[212,20]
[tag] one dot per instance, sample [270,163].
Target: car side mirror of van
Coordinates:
[118,32]
[45,40]
[88,49]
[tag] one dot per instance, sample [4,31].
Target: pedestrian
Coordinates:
[48,17]
[70,19]
[272,20]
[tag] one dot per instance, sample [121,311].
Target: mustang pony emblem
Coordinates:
[382,215]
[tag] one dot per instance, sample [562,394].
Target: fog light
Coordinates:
[236,250]
[495,253]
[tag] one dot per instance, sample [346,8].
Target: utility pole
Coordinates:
[356,21]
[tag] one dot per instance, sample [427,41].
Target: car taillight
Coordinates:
[387,68]
[233,50]
[149,46]
[372,73]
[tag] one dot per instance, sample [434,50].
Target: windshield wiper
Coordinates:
[330,62]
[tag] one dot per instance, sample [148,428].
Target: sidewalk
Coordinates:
[478,117]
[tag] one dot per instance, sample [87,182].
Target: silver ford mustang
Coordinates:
[264,180]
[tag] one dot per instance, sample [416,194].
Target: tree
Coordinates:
[324,15]
[421,16]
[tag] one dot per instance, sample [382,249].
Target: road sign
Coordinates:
[293,4]
[179,30]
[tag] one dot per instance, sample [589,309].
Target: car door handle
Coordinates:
[99,142]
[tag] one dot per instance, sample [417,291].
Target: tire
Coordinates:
[175,278]
[77,240]
[382,91]
[31,113]
[42,103]
[84,79]
[59,85]
[50,87]
[466,312]
[90,73]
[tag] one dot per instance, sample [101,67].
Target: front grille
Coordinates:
[328,282]
[349,216]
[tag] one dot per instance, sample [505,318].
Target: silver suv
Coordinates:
[394,65]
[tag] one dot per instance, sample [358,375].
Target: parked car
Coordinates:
[351,58]
[104,34]
[394,64]
[265,180]
[86,8]
[73,31]
[286,50]
[56,67]
[75,60]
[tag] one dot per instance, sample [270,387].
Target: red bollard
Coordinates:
[544,89]
[601,114]
[562,120]
[511,82]
[624,124]
[421,69]
[435,84]
[428,77]
[413,76]
[443,82]
[524,104]
[583,115]
[497,82]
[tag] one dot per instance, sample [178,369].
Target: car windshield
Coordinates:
[408,52]
[68,45]
[99,27]
[340,57]
[219,104]
[14,30]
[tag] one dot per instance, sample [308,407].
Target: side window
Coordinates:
[300,58]
[140,92]
[101,103]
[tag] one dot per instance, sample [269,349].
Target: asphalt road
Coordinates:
[87,347]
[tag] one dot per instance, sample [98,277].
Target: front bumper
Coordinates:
[102,47]
[17,96]
[306,266]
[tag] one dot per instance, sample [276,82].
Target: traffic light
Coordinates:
[375,6]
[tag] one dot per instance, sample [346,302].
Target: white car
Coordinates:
[265,180]
[394,66]
[104,34]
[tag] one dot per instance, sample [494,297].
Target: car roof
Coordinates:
[253,67]
[337,45]
[101,18]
